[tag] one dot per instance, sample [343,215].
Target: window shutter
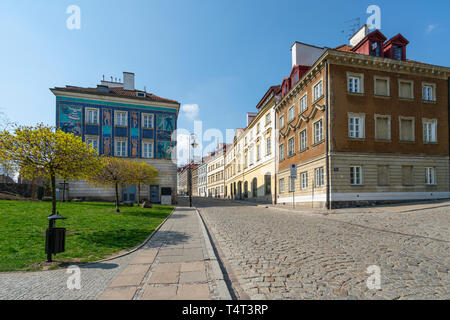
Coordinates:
[382,128]
[381,87]
[406,132]
[405,90]
[383,175]
[407,175]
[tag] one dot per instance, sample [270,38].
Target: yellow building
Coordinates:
[250,163]
[215,173]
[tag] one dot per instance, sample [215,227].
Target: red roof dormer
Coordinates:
[285,86]
[395,48]
[372,44]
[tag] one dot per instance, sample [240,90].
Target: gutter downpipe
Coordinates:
[327,153]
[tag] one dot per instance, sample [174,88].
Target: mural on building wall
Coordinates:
[134,120]
[164,135]
[134,147]
[70,119]
[107,146]
[106,117]
[165,122]
[164,149]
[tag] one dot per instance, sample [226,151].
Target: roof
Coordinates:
[116,92]
[344,47]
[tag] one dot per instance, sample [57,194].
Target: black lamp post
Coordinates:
[194,145]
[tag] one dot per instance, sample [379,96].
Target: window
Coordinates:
[382,127]
[303,140]
[291,114]
[398,53]
[429,130]
[282,185]
[121,118]
[268,146]
[258,152]
[406,89]
[121,148]
[303,103]
[407,176]
[91,116]
[258,128]
[267,118]
[318,131]
[383,175]
[381,86]
[356,126]
[267,184]
[281,151]
[291,147]
[93,142]
[318,91]
[375,49]
[429,92]
[319,178]
[406,129]
[304,180]
[356,176]
[281,122]
[430,176]
[355,82]
[147,150]
[147,121]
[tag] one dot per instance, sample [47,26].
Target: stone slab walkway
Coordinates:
[175,264]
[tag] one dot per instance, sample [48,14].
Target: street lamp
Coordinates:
[194,145]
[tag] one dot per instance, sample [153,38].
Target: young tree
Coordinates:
[113,173]
[46,152]
[140,173]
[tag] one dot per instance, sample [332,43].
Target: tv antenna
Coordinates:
[351,26]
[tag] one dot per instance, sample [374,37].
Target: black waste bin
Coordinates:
[55,240]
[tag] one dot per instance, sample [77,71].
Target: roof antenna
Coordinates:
[145,89]
[353,26]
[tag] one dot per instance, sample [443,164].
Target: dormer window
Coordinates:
[141,94]
[375,49]
[398,54]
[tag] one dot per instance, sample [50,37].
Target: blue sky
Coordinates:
[219,55]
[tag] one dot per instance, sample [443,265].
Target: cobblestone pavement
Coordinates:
[276,254]
[52,285]
[173,265]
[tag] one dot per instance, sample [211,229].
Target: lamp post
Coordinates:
[194,145]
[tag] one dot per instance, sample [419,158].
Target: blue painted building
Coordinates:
[118,120]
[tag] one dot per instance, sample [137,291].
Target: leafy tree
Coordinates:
[141,173]
[43,151]
[113,173]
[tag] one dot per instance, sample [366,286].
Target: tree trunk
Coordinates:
[139,193]
[53,182]
[117,198]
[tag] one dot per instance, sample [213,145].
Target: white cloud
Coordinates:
[431,28]
[190,111]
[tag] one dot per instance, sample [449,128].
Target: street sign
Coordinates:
[293,171]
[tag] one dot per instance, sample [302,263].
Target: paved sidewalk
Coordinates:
[175,264]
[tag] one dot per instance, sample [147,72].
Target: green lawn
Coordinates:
[94,231]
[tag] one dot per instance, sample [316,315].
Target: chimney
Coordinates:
[359,35]
[305,54]
[128,81]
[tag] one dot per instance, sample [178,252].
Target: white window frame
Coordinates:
[362,126]
[291,147]
[267,119]
[316,140]
[356,175]
[116,118]
[315,93]
[282,151]
[304,180]
[430,176]
[357,76]
[282,185]
[282,124]
[152,124]
[94,110]
[151,155]
[268,145]
[434,137]
[303,103]
[319,174]
[433,91]
[303,145]
[375,78]
[291,113]
[121,140]
[92,139]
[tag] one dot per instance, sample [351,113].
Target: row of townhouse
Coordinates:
[358,124]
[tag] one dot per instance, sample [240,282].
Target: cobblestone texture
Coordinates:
[277,254]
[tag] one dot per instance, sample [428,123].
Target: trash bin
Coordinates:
[55,240]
